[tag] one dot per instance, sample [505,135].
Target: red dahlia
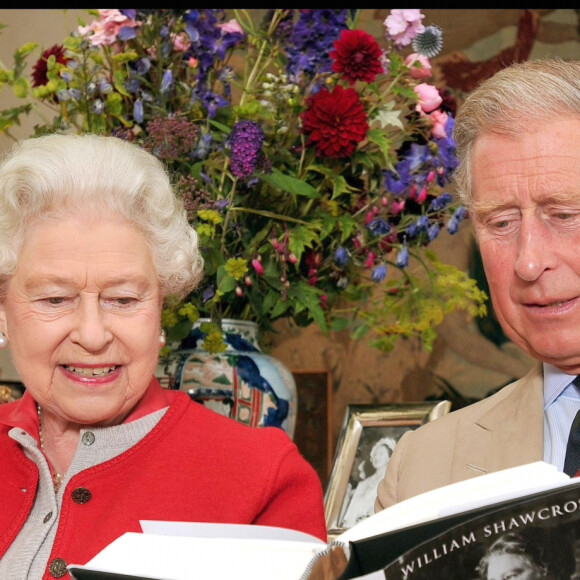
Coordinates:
[335,121]
[39,70]
[356,56]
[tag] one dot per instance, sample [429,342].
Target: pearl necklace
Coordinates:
[57,477]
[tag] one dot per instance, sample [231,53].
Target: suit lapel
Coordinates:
[508,432]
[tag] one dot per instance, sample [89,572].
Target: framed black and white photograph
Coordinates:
[366,442]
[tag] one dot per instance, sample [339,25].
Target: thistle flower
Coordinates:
[429,42]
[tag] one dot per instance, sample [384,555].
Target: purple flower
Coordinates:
[341,256]
[441,202]
[127,33]
[130,13]
[459,213]
[402,259]
[432,231]
[167,80]
[379,272]
[138,110]
[452,225]
[208,293]
[245,142]
[423,222]
[132,84]
[311,39]
[379,227]
[142,66]
[399,180]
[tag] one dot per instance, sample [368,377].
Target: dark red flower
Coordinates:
[356,56]
[336,121]
[39,70]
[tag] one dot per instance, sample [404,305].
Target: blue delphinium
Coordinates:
[441,201]
[379,227]
[402,259]
[311,40]
[379,272]
[341,256]
[208,40]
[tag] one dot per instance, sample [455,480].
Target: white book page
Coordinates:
[181,558]
[210,530]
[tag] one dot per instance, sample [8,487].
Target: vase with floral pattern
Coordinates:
[242,382]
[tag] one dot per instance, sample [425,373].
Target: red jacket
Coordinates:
[195,465]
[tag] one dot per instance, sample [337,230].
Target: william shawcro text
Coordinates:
[462,537]
[437,552]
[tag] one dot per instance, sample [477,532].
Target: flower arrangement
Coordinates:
[312,161]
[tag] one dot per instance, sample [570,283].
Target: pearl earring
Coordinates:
[3,340]
[162,338]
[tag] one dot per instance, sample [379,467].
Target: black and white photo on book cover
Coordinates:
[537,539]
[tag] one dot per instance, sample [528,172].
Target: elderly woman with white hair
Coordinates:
[362,501]
[92,239]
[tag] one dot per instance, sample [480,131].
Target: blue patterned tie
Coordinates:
[572,461]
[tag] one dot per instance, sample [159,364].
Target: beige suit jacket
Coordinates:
[501,431]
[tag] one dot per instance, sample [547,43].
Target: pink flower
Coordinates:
[403,24]
[231,27]
[429,97]
[181,42]
[419,66]
[439,119]
[257,266]
[370,259]
[106,29]
[397,206]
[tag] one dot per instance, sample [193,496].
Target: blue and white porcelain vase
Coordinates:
[242,382]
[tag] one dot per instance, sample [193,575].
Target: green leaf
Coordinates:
[21,87]
[293,185]
[347,226]
[224,281]
[279,308]
[301,238]
[309,297]
[388,116]
[378,137]
[179,331]
[220,126]
[339,324]
[360,331]
[119,77]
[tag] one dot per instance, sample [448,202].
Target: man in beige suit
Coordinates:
[518,143]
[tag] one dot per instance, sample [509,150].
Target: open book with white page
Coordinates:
[186,550]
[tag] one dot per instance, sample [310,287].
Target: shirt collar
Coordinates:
[24,413]
[555,381]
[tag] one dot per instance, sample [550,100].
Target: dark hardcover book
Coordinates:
[453,546]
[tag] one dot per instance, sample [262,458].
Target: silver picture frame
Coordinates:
[367,439]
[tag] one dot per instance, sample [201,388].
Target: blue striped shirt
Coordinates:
[561,403]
